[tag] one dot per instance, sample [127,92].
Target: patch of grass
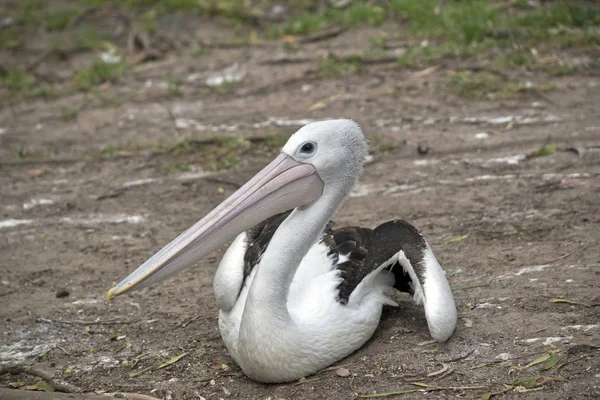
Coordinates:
[148,20]
[463,22]
[43,90]
[91,39]
[432,54]
[481,85]
[303,24]
[108,150]
[576,14]
[332,68]
[276,140]
[174,86]
[225,153]
[9,38]
[176,166]
[100,72]
[15,81]
[106,101]
[69,114]
[518,57]
[21,152]
[58,20]
[199,53]
[473,85]
[361,13]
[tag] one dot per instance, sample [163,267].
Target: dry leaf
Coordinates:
[16,384]
[140,372]
[441,371]
[546,150]
[220,366]
[41,386]
[35,172]
[322,103]
[539,360]
[421,384]
[424,73]
[387,394]
[343,372]
[456,239]
[559,300]
[533,382]
[552,361]
[171,361]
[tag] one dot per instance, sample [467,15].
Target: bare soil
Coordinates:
[75,218]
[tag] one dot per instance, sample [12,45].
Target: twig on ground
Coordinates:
[459,358]
[334,367]
[540,330]
[558,258]
[571,361]
[58,384]
[63,350]
[131,396]
[473,286]
[346,57]
[444,368]
[423,389]
[185,323]
[51,321]
[327,33]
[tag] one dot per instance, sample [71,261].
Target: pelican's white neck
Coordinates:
[266,312]
[294,237]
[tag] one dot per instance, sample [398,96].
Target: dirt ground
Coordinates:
[101,193]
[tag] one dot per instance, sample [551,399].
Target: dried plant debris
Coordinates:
[545,150]
[456,239]
[561,300]
[172,360]
[535,381]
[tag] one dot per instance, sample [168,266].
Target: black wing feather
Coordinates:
[367,249]
[258,239]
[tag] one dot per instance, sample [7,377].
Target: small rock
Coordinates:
[343,372]
[60,293]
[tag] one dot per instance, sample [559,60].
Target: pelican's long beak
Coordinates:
[282,185]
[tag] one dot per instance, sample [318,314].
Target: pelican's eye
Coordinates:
[306,150]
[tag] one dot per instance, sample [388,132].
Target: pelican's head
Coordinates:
[335,148]
[318,157]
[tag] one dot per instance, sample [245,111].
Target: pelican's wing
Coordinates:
[397,246]
[258,239]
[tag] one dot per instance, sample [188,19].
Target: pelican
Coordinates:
[296,295]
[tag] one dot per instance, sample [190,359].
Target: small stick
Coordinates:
[540,330]
[459,358]
[133,396]
[571,361]
[58,384]
[87,322]
[63,350]
[558,258]
[473,286]
[327,33]
[334,367]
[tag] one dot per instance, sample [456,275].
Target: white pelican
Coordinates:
[295,295]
